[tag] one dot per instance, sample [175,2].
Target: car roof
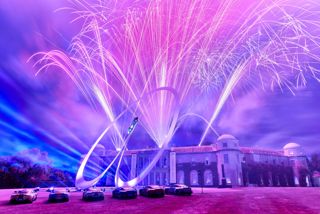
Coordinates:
[93,190]
[23,191]
[59,192]
[153,186]
[127,188]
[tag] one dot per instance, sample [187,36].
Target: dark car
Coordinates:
[23,196]
[58,196]
[37,189]
[124,193]
[152,191]
[178,189]
[93,195]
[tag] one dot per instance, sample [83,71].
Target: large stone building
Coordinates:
[222,163]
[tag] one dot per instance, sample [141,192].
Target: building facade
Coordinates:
[222,163]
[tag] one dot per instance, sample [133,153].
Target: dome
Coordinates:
[100,150]
[291,146]
[226,137]
[100,146]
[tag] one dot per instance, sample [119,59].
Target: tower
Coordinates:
[228,161]
[298,161]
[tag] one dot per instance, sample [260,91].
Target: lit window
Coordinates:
[192,160]
[228,180]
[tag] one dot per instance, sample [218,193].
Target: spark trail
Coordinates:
[127,49]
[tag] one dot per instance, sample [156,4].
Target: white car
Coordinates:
[23,196]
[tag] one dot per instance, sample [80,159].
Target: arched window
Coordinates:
[180,177]
[165,162]
[158,178]
[194,177]
[208,178]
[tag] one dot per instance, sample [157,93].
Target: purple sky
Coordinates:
[48,112]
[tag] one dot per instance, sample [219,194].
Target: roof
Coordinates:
[194,149]
[291,146]
[248,150]
[226,137]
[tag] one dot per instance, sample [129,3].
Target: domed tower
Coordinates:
[293,150]
[99,150]
[228,161]
[298,161]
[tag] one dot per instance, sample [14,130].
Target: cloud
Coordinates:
[35,155]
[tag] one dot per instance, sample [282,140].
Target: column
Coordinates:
[173,168]
[133,166]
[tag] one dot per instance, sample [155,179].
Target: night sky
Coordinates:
[47,112]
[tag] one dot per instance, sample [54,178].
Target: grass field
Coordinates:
[237,200]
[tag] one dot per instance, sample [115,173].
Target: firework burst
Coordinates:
[127,50]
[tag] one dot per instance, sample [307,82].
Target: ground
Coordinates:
[236,200]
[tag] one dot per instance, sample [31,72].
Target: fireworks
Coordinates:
[126,51]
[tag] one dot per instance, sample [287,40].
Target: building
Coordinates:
[221,163]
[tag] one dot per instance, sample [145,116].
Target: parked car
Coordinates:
[23,196]
[178,189]
[152,191]
[37,189]
[93,195]
[78,189]
[58,196]
[51,189]
[124,193]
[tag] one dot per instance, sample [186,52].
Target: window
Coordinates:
[158,163]
[158,178]
[140,162]
[208,177]
[194,178]
[225,145]
[180,177]
[226,158]
[152,178]
[165,162]
[165,180]
[206,162]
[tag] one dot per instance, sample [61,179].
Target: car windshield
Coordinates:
[94,190]
[127,188]
[59,192]
[21,191]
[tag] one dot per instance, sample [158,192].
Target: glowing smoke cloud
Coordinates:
[126,50]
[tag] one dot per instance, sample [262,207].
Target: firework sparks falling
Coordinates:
[125,51]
